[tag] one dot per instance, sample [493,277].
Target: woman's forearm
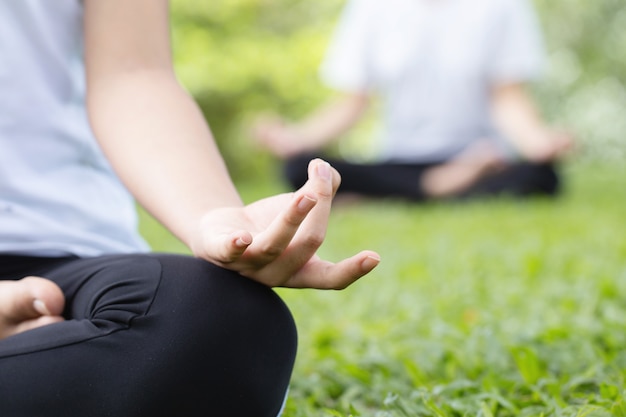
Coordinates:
[161,147]
[148,126]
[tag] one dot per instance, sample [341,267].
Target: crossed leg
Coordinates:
[480,171]
[144,335]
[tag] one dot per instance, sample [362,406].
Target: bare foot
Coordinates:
[457,175]
[29,303]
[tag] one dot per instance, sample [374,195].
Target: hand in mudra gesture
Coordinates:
[275,240]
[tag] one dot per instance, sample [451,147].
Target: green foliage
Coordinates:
[494,308]
[243,57]
[498,308]
[585,85]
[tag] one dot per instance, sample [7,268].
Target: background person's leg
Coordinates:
[396,180]
[519,179]
[151,335]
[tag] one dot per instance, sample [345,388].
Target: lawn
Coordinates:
[492,308]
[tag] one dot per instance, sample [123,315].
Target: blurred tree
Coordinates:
[585,86]
[242,57]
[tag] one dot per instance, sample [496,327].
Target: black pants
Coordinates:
[402,180]
[148,335]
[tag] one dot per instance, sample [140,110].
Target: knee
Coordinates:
[522,180]
[226,335]
[553,180]
[198,295]
[544,179]
[190,285]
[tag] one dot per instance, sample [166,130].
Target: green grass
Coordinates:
[493,308]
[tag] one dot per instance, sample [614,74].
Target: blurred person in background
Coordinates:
[91,323]
[457,118]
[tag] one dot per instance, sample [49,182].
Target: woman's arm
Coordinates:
[161,147]
[148,126]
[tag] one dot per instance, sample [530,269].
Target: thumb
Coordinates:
[225,248]
[37,297]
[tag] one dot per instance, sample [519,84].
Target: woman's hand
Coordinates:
[29,303]
[160,146]
[275,240]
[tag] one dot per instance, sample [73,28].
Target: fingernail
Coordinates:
[240,242]
[370,262]
[323,170]
[306,203]
[41,308]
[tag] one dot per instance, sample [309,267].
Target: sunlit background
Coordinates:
[243,57]
[495,308]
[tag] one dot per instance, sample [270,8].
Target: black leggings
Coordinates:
[402,180]
[148,335]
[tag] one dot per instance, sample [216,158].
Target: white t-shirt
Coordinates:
[433,62]
[58,194]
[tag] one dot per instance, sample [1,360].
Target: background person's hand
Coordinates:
[277,136]
[548,145]
[275,240]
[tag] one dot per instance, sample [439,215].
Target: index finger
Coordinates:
[323,183]
[272,242]
[293,238]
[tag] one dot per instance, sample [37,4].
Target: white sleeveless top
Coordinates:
[58,194]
